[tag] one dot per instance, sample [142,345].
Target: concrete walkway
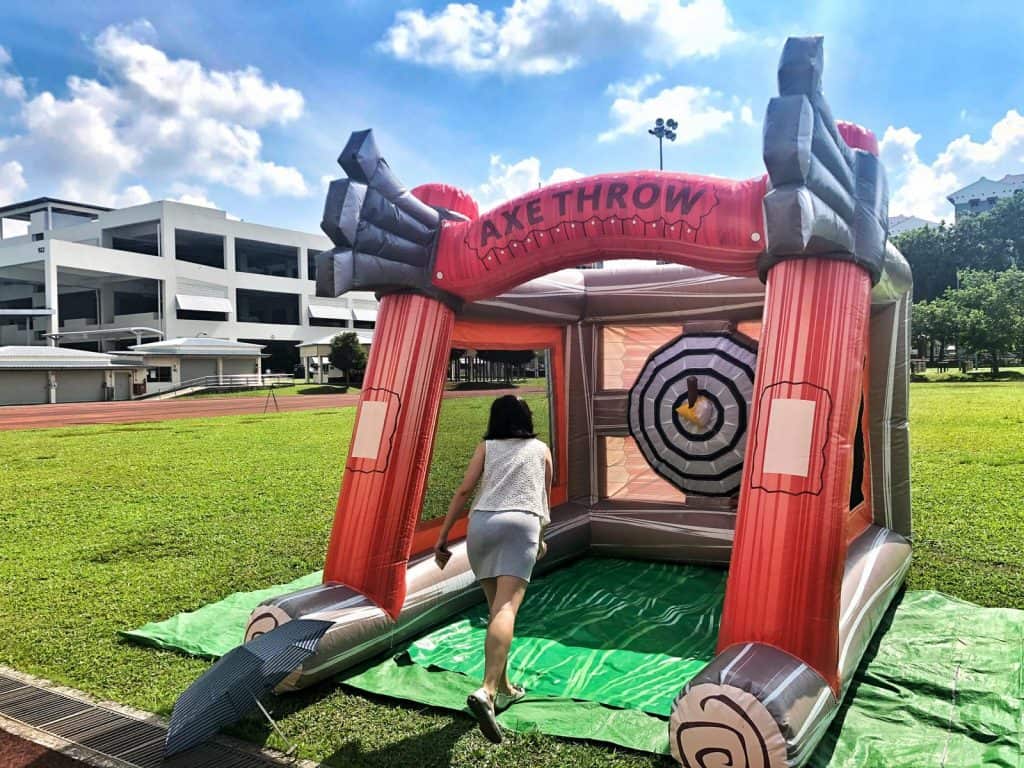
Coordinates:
[129,412]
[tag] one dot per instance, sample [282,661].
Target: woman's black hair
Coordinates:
[510,418]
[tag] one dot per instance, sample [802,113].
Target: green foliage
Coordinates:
[347,354]
[984,314]
[107,527]
[991,241]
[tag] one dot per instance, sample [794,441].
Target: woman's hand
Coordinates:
[441,553]
[542,549]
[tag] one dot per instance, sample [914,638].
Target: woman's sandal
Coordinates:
[482,707]
[505,699]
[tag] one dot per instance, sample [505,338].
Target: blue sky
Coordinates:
[246,105]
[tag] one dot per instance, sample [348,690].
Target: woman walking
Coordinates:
[504,539]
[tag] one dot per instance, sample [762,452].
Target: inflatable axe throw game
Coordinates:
[745,404]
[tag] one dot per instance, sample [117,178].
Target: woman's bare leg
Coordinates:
[489,586]
[508,596]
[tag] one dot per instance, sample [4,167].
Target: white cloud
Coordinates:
[192,196]
[12,181]
[136,194]
[746,115]
[632,89]
[699,111]
[153,117]
[918,188]
[11,86]
[184,87]
[540,37]
[508,180]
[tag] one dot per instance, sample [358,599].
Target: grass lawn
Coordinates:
[108,527]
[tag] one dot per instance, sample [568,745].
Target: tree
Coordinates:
[991,241]
[347,354]
[935,322]
[507,358]
[989,309]
[931,260]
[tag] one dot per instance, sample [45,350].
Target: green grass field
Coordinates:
[108,527]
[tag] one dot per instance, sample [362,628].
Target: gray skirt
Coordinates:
[502,543]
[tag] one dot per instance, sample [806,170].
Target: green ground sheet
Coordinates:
[603,646]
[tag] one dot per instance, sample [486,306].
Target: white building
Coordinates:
[900,224]
[106,280]
[983,194]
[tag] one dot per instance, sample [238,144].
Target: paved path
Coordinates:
[129,412]
[16,752]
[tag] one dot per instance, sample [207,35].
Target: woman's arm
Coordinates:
[457,507]
[549,472]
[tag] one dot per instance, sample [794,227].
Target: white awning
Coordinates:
[364,315]
[329,311]
[203,303]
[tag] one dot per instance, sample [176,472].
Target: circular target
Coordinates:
[688,410]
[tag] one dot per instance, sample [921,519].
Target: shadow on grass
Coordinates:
[974,377]
[432,749]
[473,386]
[324,389]
[426,750]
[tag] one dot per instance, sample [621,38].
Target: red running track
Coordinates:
[130,412]
[16,752]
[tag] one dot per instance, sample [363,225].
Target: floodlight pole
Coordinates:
[663,129]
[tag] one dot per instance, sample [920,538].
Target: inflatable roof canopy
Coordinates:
[760,388]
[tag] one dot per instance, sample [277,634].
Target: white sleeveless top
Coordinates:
[514,477]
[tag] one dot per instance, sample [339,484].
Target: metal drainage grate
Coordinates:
[108,733]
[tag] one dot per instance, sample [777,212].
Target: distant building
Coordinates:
[983,194]
[900,224]
[103,280]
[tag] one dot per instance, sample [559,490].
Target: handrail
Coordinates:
[230,381]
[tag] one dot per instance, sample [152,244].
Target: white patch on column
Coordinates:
[787,449]
[366,443]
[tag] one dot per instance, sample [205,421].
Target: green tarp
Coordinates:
[604,646]
[214,629]
[942,687]
[617,632]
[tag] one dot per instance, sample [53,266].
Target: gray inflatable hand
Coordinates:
[384,237]
[827,199]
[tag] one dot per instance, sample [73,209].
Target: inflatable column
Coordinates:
[777,680]
[386,474]
[384,239]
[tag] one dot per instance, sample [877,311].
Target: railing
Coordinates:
[227,383]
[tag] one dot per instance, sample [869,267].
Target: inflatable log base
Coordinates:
[753,705]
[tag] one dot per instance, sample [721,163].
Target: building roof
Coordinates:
[203,346]
[310,347]
[23,209]
[51,358]
[901,224]
[985,188]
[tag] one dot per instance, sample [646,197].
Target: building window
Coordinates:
[136,303]
[259,258]
[77,306]
[160,375]
[21,323]
[267,307]
[311,255]
[194,314]
[199,248]
[137,238]
[329,322]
